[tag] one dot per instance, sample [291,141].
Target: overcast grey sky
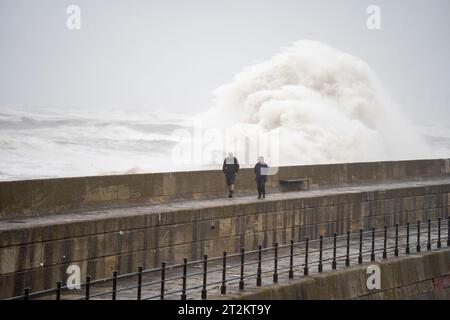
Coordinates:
[171,54]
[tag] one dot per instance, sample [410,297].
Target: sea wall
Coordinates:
[42,197]
[38,255]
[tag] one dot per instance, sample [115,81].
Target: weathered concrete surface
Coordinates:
[49,196]
[36,251]
[417,276]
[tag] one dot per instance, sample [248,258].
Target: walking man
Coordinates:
[230,168]
[261,177]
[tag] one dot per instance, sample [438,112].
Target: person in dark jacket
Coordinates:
[230,168]
[261,177]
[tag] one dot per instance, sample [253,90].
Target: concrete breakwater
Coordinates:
[40,239]
[40,197]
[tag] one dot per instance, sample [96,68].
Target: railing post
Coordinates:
[360,257]
[418,236]
[305,269]
[241,280]
[223,287]
[258,272]
[372,254]
[114,285]
[163,280]
[205,273]
[448,231]
[139,288]
[88,288]
[320,266]
[333,263]
[347,255]
[275,264]
[26,293]
[396,240]
[439,233]
[58,290]
[385,243]
[183,288]
[291,260]
[429,235]
[407,238]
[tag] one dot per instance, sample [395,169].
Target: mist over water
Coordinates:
[321,104]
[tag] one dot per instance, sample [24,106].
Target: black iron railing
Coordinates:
[266,265]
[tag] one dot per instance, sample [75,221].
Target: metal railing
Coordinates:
[291,259]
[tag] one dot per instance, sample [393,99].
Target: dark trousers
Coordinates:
[261,185]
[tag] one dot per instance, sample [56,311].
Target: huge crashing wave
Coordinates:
[326,106]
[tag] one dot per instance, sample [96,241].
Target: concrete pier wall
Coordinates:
[42,197]
[38,255]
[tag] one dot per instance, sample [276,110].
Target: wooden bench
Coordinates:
[294,184]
